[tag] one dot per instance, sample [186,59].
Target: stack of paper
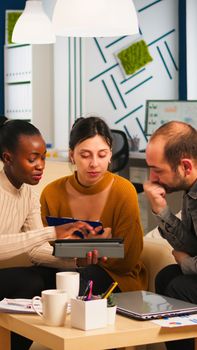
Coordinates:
[178,321]
[19,306]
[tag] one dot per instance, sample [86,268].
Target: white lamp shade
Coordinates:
[95,18]
[33,26]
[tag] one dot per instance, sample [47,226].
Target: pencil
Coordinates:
[110,290]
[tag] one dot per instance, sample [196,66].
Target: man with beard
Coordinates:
[171,155]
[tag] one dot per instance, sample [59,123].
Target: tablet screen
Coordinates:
[55,221]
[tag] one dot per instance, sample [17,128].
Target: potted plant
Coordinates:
[110,300]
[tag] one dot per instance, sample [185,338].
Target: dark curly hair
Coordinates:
[11,130]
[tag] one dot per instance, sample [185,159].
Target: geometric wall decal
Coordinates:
[134,57]
[120,98]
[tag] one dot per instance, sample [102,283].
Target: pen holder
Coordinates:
[90,314]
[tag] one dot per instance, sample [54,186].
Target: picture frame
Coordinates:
[11,17]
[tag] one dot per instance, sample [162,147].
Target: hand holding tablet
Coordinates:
[78,248]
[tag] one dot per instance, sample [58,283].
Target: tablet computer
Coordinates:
[78,248]
[55,221]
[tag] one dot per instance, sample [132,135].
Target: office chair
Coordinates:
[120,151]
[120,155]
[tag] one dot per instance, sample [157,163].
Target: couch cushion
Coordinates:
[157,253]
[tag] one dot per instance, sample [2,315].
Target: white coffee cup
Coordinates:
[54,306]
[68,281]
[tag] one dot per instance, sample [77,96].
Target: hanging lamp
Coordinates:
[95,18]
[33,26]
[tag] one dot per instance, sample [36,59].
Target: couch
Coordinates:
[156,253]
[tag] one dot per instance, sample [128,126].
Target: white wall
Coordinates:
[191,49]
[49,6]
[158,80]
[65,88]
[61,98]
[72,100]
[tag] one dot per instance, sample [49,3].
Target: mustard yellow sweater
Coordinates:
[120,212]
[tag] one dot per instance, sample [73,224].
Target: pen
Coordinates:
[86,290]
[109,290]
[89,297]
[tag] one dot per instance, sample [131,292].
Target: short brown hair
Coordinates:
[181,142]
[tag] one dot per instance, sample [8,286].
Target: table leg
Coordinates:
[195,346]
[5,339]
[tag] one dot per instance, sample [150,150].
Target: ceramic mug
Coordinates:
[68,281]
[54,306]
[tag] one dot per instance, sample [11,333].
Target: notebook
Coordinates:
[143,305]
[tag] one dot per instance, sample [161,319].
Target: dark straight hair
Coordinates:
[11,130]
[85,128]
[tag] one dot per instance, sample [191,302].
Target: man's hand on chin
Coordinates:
[156,195]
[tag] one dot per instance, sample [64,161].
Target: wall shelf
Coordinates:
[28,76]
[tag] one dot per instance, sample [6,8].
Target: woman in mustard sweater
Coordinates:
[94,193]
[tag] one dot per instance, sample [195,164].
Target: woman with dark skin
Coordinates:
[22,151]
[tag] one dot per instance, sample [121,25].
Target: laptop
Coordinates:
[143,305]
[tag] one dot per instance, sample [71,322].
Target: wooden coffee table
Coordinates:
[125,333]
